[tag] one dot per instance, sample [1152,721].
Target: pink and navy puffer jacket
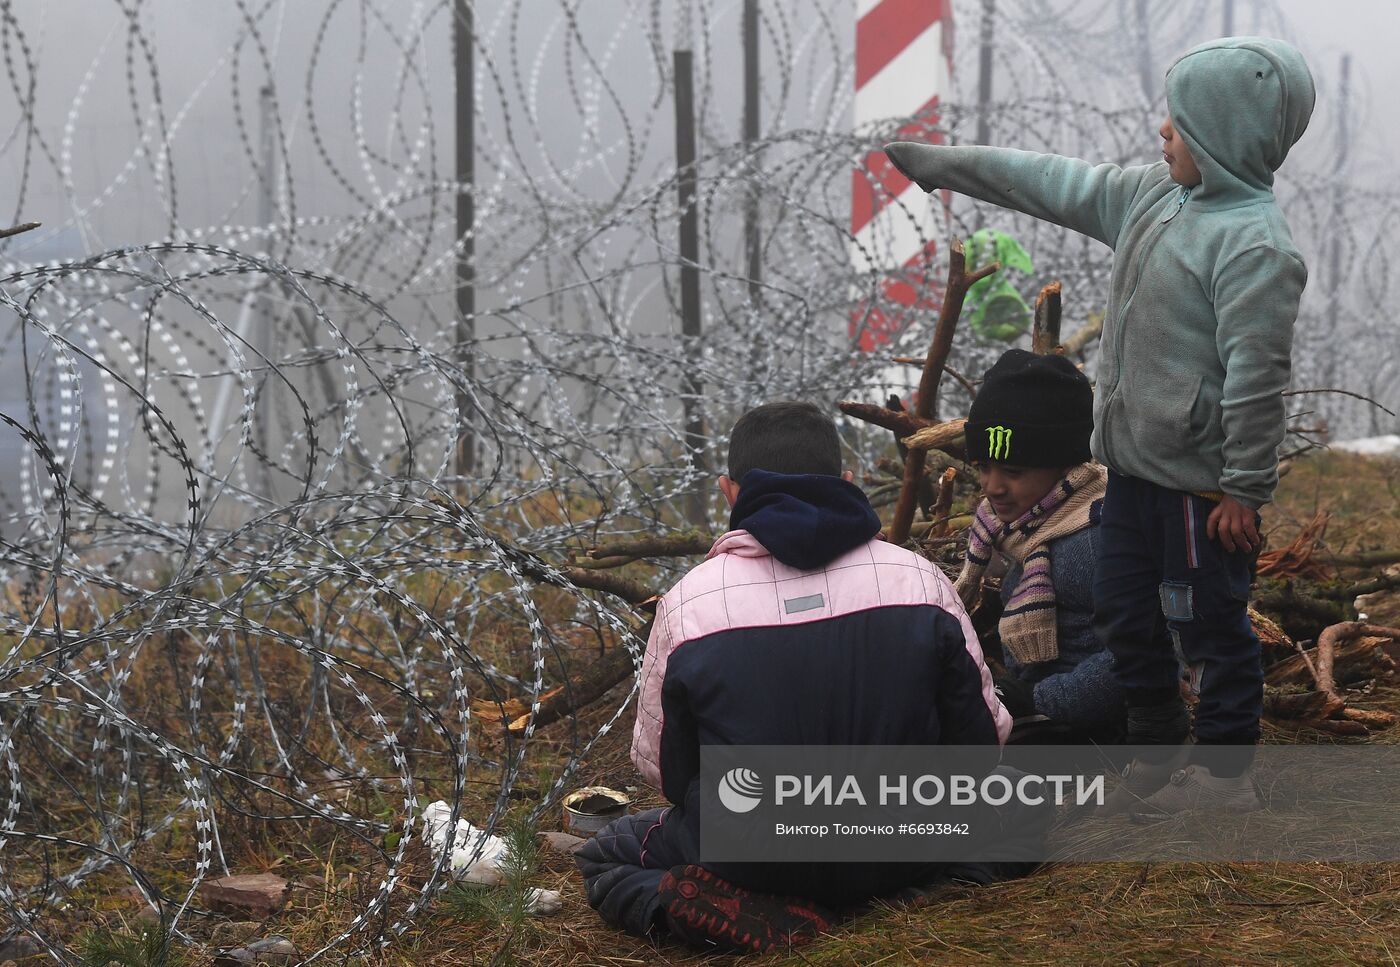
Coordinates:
[801,628]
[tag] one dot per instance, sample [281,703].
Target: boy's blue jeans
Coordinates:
[1162,588]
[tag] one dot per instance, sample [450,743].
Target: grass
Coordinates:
[1361,494]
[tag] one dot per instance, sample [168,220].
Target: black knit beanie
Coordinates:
[1032,411]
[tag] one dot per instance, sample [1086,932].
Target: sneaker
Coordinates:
[1193,788]
[708,912]
[1141,779]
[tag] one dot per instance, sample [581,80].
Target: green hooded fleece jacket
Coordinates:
[1206,281]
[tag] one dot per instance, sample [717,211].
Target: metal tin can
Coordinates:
[589,809]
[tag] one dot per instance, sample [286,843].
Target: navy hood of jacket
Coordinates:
[805,520]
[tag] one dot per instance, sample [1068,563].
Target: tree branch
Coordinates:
[18,229]
[1086,334]
[926,406]
[903,424]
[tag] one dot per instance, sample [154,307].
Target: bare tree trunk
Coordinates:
[465,174]
[692,387]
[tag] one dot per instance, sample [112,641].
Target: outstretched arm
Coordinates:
[1091,199]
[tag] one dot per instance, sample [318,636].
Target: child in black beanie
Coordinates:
[1028,435]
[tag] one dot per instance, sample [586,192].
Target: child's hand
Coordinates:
[1233,524]
[1017,696]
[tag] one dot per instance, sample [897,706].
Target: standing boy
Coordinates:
[1189,408]
[801,627]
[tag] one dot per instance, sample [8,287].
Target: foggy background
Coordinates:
[320,136]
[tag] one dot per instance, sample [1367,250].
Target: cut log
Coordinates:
[1386,582]
[534,567]
[947,437]
[1374,719]
[561,842]
[1300,708]
[1269,633]
[488,710]
[1045,335]
[1341,727]
[1353,660]
[943,507]
[1303,606]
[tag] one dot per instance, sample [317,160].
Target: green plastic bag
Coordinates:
[993,307]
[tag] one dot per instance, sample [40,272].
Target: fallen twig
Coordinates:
[962,380]
[1340,392]
[17,229]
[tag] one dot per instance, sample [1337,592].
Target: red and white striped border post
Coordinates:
[903,69]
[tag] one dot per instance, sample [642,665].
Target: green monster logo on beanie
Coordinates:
[998,443]
[1046,400]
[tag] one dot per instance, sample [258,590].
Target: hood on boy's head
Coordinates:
[805,520]
[1240,103]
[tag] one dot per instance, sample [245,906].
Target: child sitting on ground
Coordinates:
[801,627]
[1189,412]
[1028,435]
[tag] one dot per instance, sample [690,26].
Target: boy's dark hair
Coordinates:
[787,436]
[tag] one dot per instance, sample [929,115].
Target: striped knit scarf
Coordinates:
[1027,625]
